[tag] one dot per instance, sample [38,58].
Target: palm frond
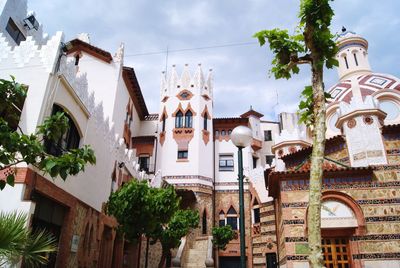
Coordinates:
[13,233]
[38,247]
[17,241]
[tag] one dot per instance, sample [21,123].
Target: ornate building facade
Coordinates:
[186,146]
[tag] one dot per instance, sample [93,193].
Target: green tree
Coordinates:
[140,209]
[17,147]
[170,234]
[222,236]
[17,241]
[314,45]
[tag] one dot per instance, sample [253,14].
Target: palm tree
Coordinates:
[18,242]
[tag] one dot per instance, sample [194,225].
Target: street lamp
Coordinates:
[241,136]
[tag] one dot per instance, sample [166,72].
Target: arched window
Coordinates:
[355,58]
[179,120]
[232,218]
[345,61]
[188,119]
[205,121]
[68,141]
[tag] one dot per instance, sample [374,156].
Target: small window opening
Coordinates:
[347,64]
[183,154]
[355,58]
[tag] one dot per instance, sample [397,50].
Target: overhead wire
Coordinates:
[156,53]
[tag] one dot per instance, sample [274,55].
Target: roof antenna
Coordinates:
[166,62]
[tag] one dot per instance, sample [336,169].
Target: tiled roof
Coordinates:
[79,45]
[135,92]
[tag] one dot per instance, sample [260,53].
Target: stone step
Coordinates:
[196,255]
[194,265]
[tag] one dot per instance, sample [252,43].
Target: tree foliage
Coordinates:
[17,241]
[140,209]
[312,44]
[17,147]
[222,236]
[170,234]
[154,212]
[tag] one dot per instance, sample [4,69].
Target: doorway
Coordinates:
[336,252]
[271,260]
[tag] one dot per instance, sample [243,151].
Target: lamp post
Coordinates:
[241,136]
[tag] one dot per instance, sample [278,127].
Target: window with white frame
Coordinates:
[226,162]
[232,218]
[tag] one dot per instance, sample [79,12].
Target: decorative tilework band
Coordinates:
[376,237]
[293,222]
[377,256]
[382,219]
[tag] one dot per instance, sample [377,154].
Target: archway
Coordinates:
[341,218]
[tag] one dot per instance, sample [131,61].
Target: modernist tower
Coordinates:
[186,137]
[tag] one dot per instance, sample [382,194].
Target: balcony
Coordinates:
[149,169]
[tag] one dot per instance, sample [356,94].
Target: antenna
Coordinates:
[166,62]
[277,103]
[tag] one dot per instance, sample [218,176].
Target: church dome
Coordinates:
[370,84]
[355,75]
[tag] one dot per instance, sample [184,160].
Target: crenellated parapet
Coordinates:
[30,53]
[172,83]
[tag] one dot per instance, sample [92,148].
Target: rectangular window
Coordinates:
[269,159]
[232,221]
[226,163]
[144,162]
[221,223]
[255,162]
[256,215]
[182,154]
[267,135]
[14,31]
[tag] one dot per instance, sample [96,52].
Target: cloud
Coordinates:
[241,72]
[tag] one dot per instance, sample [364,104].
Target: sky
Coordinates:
[240,72]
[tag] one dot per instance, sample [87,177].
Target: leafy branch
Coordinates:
[17,147]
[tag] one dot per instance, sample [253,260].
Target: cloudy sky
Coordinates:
[241,71]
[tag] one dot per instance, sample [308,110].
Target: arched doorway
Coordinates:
[341,219]
[338,223]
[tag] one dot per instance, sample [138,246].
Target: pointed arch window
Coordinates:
[179,120]
[189,119]
[232,218]
[205,121]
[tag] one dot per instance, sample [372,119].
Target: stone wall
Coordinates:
[223,201]
[378,201]
[264,239]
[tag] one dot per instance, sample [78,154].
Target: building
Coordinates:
[186,146]
[360,205]
[103,101]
